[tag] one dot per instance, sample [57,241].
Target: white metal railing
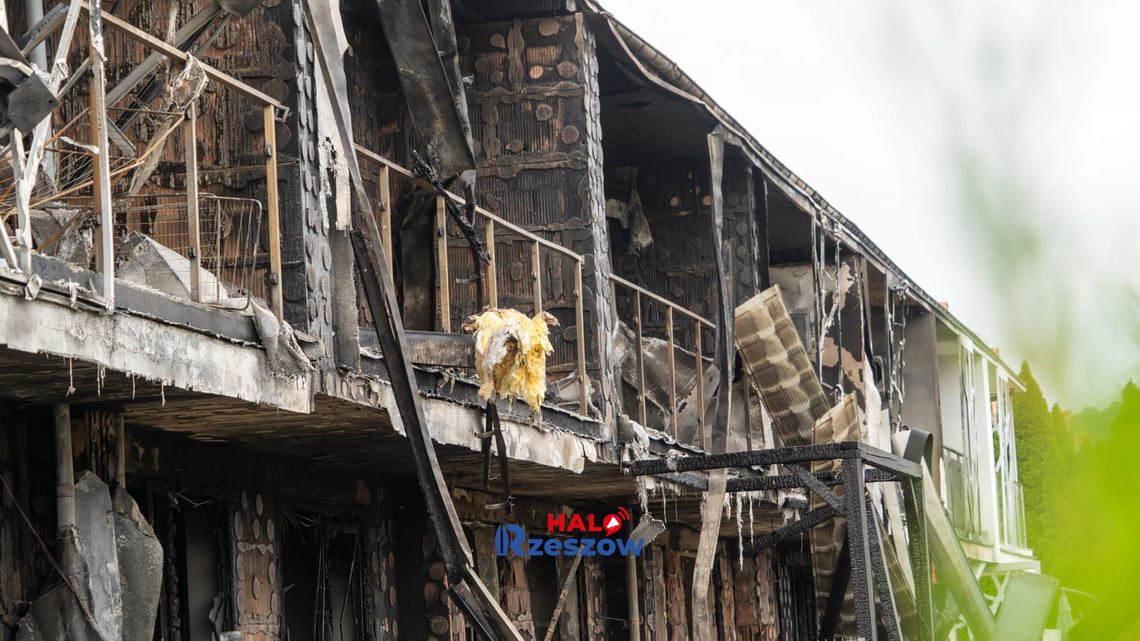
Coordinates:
[96,164]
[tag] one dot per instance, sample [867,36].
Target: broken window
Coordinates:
[324,578]
[194,532]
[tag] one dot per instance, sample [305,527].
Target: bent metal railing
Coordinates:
[672,310]
[92,168]
[495,227]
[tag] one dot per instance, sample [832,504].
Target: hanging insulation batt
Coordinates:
[510,353]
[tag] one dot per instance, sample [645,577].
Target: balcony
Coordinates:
[664,377]
[179,202]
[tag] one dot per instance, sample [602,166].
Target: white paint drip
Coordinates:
[740,528]
[751,520]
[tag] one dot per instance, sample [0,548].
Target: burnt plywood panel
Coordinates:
[676,600]
[516,594]
[595,589]
[754,593]
[774,358]
[840,424]
[255,580]
[383,615]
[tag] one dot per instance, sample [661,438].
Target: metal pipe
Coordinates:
[34,11]
[631,597]
[64,468]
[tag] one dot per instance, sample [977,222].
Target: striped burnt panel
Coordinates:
[839,424]
[775,359]
[905,603]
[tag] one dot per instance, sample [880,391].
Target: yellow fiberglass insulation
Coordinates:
[510,353]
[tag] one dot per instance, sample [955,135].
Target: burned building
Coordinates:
[240,241]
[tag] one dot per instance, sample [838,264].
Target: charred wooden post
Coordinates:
[886,598]
[672,370]
[443,274]
[492,266]
[385,205]
[919,555]
[536,276]
[862,580]
[580,340]
[748,415]
[272,211]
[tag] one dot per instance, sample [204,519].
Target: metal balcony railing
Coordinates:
[496,231]
[1012,498]
[962,499]
[672,311]
[500,232]
[97,153]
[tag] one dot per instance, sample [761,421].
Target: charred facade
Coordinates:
[231,223]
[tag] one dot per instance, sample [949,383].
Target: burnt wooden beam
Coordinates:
[790,481]
[436,349]
[887,606]
[859,543]
[919,556]
[818,487]
[778,456]
[482,608]
[434,107]
[886,461]
[796,528]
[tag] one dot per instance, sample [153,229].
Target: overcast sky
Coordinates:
[988,148]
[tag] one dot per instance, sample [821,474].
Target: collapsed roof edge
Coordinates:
[665,73]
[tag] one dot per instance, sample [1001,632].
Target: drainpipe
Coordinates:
[34,12]
[631,597]
[64,470]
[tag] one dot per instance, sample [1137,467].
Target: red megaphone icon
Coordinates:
[611,523]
